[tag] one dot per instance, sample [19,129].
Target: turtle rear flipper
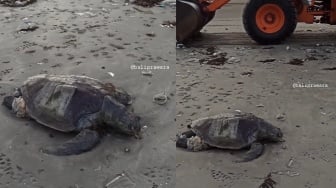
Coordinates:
[255,151]
[84,141]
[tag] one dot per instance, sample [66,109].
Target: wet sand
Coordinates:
[90,38]
[259,79]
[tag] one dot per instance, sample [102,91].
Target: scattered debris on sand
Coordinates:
[211,50]
[147,3]
[281,117]
[290,163]
[169,24]
[233,60]
[27,26]
[111,74]
[143,11]
[180,46]
[115,179]
[119,47]
[288,173]
[168,3]
[296,61]
[311,58]
[160,98]
[247,73]
[16,3]
[215,59]
[269,60]
[329,68]
[127,150]
[147,73]
[152,34]
[268,182]
[87,14]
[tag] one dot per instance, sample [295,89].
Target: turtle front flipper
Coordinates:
[8,102]
[182,142]
[255,151]
[84,141]
[182,139]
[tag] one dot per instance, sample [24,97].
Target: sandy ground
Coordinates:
[92,38]
[249,83]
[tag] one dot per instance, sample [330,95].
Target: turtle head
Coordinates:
[135,127]
[9,100]
[16,104]
[116,115]
[270,132]
[123,97]
[127,123]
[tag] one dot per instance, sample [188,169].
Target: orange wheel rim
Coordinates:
[270,18]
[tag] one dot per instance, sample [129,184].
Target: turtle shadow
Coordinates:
[30,123]
[103,131]
[227,151]
[110,139]
[44,130]
[232,153]
[43,135]
[214,150]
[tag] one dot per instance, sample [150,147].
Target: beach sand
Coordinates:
[92,38]
[259,79]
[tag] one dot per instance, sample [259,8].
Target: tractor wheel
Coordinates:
[211,15]
[207,17]
[269,21]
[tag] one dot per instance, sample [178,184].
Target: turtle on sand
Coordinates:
[230,131]
[16,3]
[70,103]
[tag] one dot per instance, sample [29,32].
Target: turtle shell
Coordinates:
[227,131]
[59,101]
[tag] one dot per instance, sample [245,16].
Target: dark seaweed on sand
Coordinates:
[147,3]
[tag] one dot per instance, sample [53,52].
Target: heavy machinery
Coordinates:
[265,21]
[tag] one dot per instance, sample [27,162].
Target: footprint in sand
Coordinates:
[158,176]
[12,174]
[227,179]
[25,45]
[222,177]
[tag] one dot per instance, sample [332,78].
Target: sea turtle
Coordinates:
[16,3]
[230,131]
[71,103]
